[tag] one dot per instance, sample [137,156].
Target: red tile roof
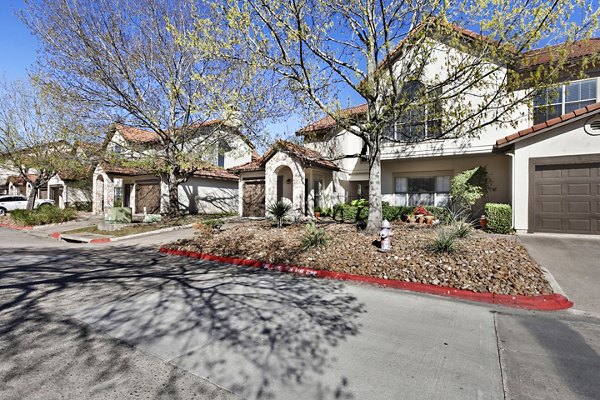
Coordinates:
[206,170]
[574,51]
[544,126]
[328,122]
[136,135]
[117,169]
[305,155]
[212,172]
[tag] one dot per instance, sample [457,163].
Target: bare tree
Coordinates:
[39,135]
[421,74]
[122,58]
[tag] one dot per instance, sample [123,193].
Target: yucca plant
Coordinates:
[444,242]
[314,236]
[279,210]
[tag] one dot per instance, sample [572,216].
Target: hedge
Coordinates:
[46,214]
[499,217]
[349,213]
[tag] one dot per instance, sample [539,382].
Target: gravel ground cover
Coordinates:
[482,263]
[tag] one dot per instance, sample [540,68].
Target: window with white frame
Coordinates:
[426,190]
[552,102]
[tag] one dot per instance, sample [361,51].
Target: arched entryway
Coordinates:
[285,184]
[99,195]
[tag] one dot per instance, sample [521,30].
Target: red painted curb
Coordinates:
[55,235]
[100,240]
[17,227]
[551,302]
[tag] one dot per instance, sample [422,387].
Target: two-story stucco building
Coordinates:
[549,171]
[211,189]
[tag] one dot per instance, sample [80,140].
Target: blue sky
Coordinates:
[17,46]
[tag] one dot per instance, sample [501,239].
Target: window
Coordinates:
[429,191]
[552,102]
[221,160]
[416,124]
[117,148]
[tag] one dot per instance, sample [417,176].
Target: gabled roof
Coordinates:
[574,51]
[136,135]
[205,170]
[548,125]
[328,122]
[306,156]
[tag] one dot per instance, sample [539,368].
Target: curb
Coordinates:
[16,227]
[552,302]
[58,235]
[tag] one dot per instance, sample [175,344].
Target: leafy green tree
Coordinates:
[398,57]
[122,59]
[40,135]
[468,187]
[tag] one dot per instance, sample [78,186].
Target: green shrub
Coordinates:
[43,215]
[82,206]
[279,211]
[314,237]
[213,223]
[446,241]
[349,213]
[326,212]
[499,217]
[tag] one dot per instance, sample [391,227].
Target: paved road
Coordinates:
[89,321]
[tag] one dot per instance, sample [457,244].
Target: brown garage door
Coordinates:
[147,196]
[566,198]
[253,202]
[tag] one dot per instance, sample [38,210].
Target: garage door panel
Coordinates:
[579,172]
[579,189]
[581,225]
[584,207]
[551,224]
[551,189]
[566,198]
[551,206]
[553,173]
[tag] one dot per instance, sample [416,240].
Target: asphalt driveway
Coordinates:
[574,261]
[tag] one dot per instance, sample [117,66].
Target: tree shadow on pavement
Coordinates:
[253,332]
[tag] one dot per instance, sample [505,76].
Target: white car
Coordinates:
[16,202]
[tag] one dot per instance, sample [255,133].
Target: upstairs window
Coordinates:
[552,102]
[418,123]
[117,148]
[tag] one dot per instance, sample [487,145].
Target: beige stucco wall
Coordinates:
[272,168]
[498,167]
[570,139]
[208,196]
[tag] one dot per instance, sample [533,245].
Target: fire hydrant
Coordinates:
[386,236]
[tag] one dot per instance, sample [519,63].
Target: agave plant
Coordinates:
[279,211]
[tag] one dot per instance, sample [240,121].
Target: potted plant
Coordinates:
[317,212]
[429,219]
[420,213]
[483,222]
[410,218]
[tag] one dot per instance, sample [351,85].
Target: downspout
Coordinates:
[512,190]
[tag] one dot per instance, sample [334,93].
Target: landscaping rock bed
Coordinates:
[482,263]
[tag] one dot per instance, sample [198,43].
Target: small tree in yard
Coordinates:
[122,59]
[397,57]
[39,135]
[468,187]
[280,210]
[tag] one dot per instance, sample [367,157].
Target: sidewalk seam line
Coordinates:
[499,357]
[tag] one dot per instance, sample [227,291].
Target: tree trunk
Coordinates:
[173,207]
[32,197]
[375,209]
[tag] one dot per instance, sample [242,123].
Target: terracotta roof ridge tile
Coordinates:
[549,124]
